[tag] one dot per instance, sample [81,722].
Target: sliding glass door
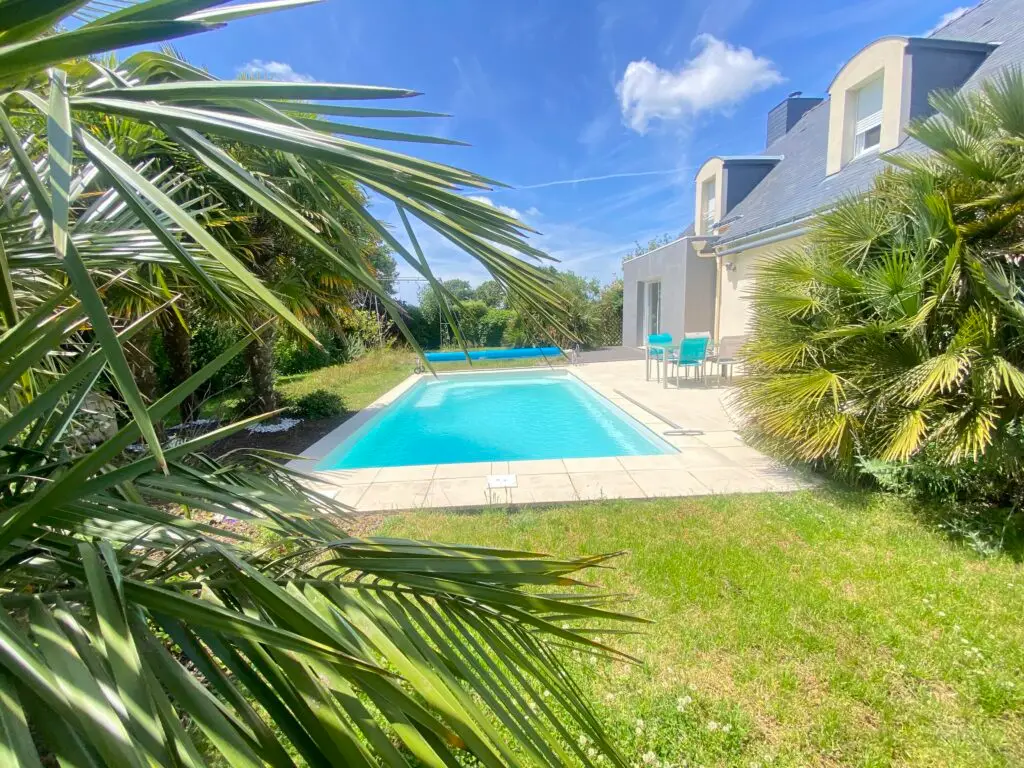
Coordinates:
[652,315]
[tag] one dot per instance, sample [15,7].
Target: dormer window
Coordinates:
[868,103]
[867,128]
[887,85]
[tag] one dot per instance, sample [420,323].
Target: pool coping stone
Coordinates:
[706,462]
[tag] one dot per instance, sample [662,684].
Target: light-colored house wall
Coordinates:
[737,284]
[687,291]
[699,306]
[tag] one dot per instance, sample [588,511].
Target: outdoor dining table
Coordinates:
[659,361]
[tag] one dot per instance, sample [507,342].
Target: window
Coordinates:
[867,128]
[707,196]
[654,307]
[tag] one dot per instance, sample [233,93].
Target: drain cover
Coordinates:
[501,481]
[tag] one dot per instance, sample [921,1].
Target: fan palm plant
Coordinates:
[254,630]
[899,328]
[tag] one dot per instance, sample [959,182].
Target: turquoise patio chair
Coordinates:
[657,344]
[693,352]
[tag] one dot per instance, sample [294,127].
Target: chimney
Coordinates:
[783,117]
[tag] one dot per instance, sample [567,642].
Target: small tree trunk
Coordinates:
[138,353]
[178,346]
[259,357]
[140,361]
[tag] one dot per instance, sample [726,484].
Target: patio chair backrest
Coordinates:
[729,347]
[659,338]
[693,350]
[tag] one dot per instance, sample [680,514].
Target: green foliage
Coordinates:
[293,355]
[490,293]
[972,500]
[897,333]
[357,383]
[652,244]
[579,296]
[140,625]
[486,317]
[493,326]
[318,404]
[424,332]
[609,315]
[354,333]
[210,337]
[470,313]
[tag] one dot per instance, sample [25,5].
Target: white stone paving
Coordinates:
[712,457]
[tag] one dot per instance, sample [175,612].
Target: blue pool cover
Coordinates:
[493,354]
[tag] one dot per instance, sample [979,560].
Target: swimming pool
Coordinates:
[494,417]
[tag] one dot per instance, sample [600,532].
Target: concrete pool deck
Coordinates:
[712,457]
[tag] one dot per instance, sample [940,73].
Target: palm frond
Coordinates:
[253,630]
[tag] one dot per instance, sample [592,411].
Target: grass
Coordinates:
[823,628]
[359,382]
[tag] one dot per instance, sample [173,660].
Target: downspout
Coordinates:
[718,298]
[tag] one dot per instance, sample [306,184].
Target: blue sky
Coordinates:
[599,113]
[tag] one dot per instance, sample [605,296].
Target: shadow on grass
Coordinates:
[988,531]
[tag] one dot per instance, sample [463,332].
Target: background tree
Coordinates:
[490,293]
[652,244]
[609,314]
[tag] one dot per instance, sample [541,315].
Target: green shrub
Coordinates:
[980,502]
[318,404]
[423,330]
[493,325]
[293,355]
[609,314]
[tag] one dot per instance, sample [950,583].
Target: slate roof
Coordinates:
[798,186]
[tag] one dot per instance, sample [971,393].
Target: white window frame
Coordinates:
[708,203]
[652,319]
[866,124]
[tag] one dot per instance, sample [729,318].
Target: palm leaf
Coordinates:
[132,634]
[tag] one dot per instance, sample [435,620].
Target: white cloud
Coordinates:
[503,208]
[948,18]
[273,70]
[719,76]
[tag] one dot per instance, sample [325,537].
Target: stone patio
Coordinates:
[712,457]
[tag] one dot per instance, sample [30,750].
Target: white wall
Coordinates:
[734,315]
[687,291]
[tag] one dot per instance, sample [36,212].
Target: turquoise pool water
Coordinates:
[494,417]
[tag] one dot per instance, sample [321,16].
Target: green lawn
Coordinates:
[359,382]
[822,628]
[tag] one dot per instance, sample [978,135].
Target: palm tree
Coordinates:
[253,630]
[899,329]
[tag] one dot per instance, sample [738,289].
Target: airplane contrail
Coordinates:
[583,179]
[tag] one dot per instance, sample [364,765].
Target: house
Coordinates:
[817,151]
